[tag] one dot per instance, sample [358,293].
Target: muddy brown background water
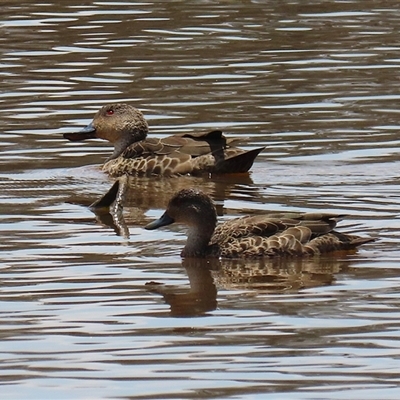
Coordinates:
[317,83]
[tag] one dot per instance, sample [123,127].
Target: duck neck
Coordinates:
[198,239]
[121,144]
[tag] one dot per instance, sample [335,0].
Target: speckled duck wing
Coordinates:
[290,242]
[150,157]
[173,155]
[151,147]
[193,145]
[218,154]
[198,144]
[268,225]
[183,154]
[263,236]
[214,153]
[294,241]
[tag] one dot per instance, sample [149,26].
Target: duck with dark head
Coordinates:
[292,234]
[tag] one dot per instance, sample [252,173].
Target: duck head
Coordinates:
[119,123]
[196,210]
[189,207]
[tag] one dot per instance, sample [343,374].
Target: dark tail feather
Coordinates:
[358,241]
[349,242]
[238,163]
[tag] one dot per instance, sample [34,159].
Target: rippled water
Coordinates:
[91,308]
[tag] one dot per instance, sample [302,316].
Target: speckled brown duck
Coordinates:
[254,236]
[126,128]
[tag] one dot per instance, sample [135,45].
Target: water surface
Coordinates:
[90,310]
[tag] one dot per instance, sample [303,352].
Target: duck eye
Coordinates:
[110,112]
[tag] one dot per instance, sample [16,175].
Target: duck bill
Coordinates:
[89,132]
[164,220]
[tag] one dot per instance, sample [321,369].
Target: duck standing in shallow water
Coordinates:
[126,128]
[255,236]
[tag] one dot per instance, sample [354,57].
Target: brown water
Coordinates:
[93,311]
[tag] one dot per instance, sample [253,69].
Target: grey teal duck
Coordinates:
[126,128]
[301,235]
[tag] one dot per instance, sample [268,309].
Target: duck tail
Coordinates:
[358,241]
[238,162]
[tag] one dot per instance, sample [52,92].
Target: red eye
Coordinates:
[110,112]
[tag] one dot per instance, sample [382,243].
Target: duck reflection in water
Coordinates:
[268,276]
[199,299]
[137,195]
